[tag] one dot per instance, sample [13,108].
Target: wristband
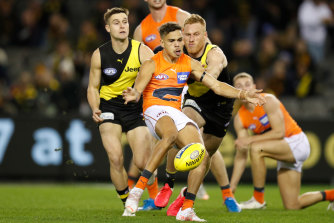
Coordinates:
[200,80]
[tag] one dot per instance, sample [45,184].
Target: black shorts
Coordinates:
[128,116]
[217,116]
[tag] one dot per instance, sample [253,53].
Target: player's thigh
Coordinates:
[275,149]
[289,182]
[212,143]
[111,135]
[165,128]
[189,134]
[194,115]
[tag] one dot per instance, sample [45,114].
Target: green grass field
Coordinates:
[23,202]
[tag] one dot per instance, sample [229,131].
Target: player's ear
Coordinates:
[107,27]
[162,43]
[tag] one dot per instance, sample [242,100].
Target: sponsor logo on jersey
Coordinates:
[150,38]
[110,71]
[162,77]
[131,69]
[182,77]
[264,120]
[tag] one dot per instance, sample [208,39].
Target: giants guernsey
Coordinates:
[150,28]
[167,82]
[118,71]
[258,121]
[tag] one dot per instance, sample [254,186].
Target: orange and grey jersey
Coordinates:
[258,121]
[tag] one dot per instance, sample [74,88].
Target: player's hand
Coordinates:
[130,95]
[253,96]
[243,144]
[96,116]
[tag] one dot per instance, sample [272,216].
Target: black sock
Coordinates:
[259,189]
[190,196]
[170,178]
[123,194]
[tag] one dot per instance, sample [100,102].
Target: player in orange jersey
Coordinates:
[161,81]
[208,110]
[279,137]
[148,30]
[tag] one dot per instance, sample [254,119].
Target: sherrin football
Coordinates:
[189,157]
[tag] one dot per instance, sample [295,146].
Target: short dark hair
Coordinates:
[168,27]
[113,11]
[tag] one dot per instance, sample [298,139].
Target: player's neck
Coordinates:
[119,45]
[158,14]
[169,58]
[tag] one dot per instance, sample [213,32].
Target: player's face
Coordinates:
[244,83]
[194,37]
[173,43]
[156,4]
[118,26]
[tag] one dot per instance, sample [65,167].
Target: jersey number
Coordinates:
[163,93]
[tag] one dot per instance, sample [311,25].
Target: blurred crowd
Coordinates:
[46,45]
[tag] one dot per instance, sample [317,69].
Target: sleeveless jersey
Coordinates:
[201,93]
[150,28]
[258,121]
[167,82]
[118,71]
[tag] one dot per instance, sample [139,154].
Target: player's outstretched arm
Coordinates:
[93,96]
[143,78]
[224,89]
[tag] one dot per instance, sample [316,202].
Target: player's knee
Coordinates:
[292,206]
[256,149]
[116,162]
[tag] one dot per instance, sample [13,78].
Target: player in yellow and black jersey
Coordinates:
[114,67]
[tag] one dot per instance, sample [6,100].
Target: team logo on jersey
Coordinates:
[150,38]
[110,71]
[162,77]
[252,127]
[182,77]
[264,120]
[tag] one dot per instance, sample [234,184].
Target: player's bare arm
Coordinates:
[137,35]
[181,16]
[94,85]
[220,88]
[216,61]
[143,78]
[145,53]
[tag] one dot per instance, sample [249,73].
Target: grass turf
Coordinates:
[23,202]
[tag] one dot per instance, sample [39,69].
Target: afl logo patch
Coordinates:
[110,71]
[150,38]
[161,77]
[252,127]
